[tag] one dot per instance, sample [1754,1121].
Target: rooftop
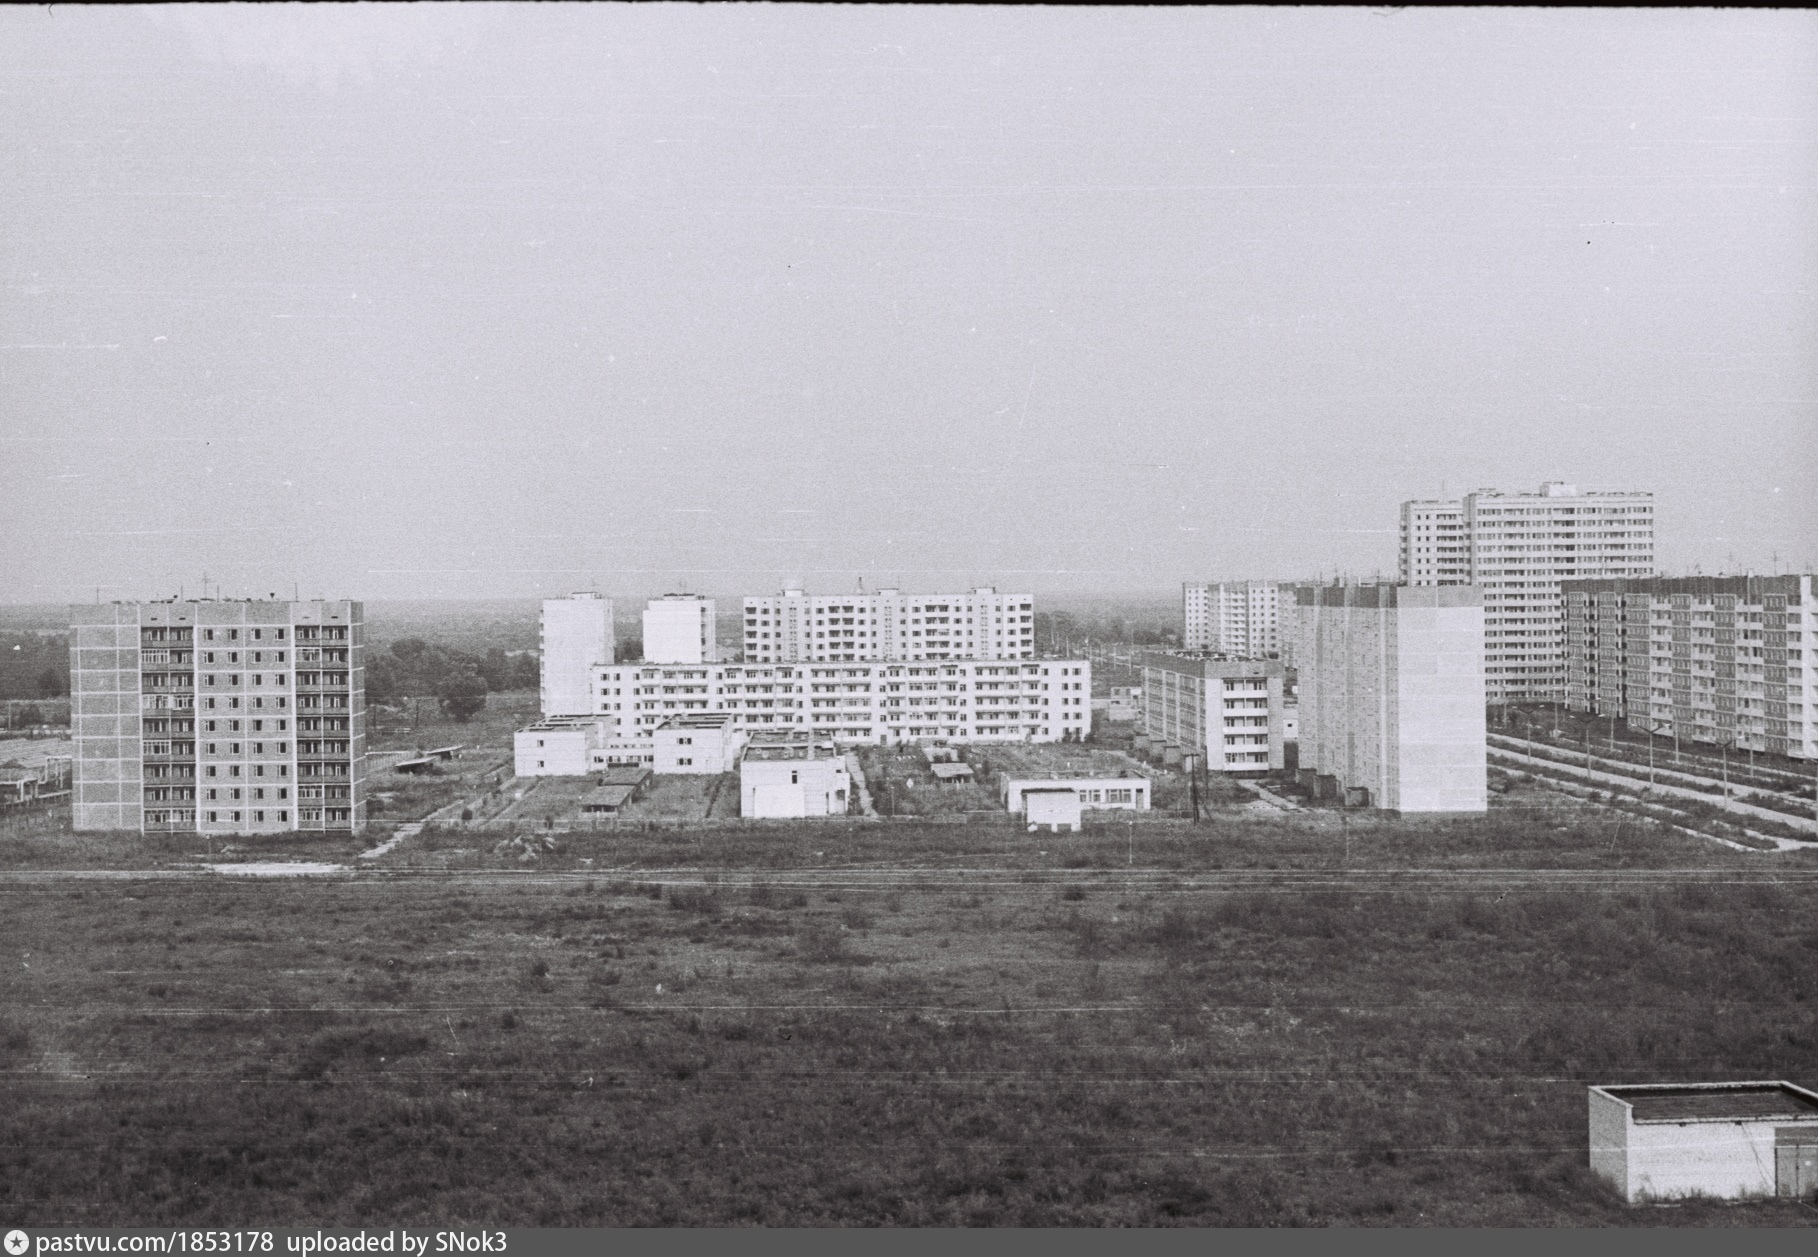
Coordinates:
[1716,1101]
[698,720]
[780,746]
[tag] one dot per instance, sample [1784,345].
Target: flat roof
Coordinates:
[1716,1101]
[698,720]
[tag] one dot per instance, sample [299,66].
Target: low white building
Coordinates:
[1131,794]
[564,746]
[785,775]
[700,743]
[1054,808]
[1728,1140]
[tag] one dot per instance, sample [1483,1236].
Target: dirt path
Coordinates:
[1805,824]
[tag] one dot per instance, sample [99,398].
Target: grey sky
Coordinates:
[498,301]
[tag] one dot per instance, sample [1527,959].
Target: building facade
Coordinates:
[1724,1141]
[798,627]
[219,717]
[1248,618]
[1122,794]
[575,636]
[1712,659]
[679,628]
[1391,698]
[784,775]
[1228,710]
[558,746]
[1518,547]
[968,700]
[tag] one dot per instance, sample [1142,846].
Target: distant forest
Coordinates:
[34,665]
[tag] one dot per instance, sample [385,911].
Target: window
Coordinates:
[684,761]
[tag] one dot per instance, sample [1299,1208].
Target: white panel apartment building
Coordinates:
[1518,547]
[575,637]
[1713,659]
[679,628]
[1392,693]
[1228,710]
[798,627]
[961,700]
[1245,617]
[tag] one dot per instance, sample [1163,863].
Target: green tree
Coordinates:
[50,684]
[462,695]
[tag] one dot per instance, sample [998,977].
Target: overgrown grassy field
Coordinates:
[1041,1040]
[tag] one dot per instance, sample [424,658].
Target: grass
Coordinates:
[952,1052]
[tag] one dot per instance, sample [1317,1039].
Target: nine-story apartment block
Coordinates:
[798,627]
[218,717]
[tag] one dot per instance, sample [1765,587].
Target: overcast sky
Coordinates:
[477,301]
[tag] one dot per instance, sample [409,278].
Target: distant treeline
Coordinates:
[34,665]
[1055,629]
[413,668]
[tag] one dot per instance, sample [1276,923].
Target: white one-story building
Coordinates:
[563,746]
[783,775]
[1728,1140]
[1122,793]
[698,742]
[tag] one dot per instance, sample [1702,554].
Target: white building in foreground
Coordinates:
[563,746]
[798,627]
[575,637]
[1124,794]
[1392,694]
[1727,1140]
[700,743]
[785,775]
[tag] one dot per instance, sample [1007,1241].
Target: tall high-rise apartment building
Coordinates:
[679,628]
[576,636]
[218,717]
[798,627]
[1250,618]
[1518,547]
[1392,693]
[1713,659]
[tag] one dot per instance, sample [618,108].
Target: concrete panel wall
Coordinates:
[1609,1139]
[1441,757]
[107,789]
[1729,1160]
